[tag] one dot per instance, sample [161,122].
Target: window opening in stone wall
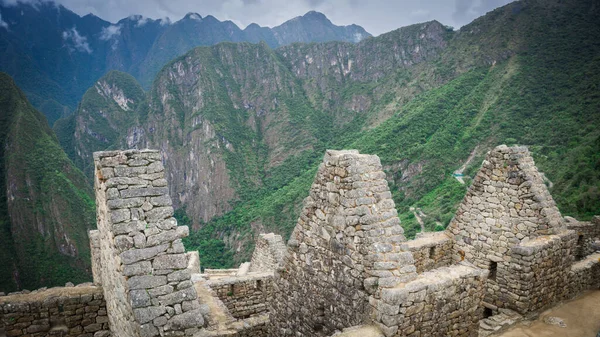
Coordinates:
[579,248]
[432,252]
[230,290]
[493,270]
[319,318]
[487,312]
[259,284]
[58,325]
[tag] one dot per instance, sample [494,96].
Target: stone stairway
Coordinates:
[498,322]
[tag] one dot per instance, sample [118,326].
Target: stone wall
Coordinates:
[506,206]
[347,243]
[359,331]
[442,302]
[244,296]
[269,250]
[256,326]
[588,232]
[67,312]
[431,250]
[584,275]
[94,236]
[535,277]
[144,264]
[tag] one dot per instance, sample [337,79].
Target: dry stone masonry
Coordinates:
[588,234]
[348,264]
[346,243]
[347,270]
[142,256]
[68,312]
[244,296]
[509,224]
[268,253]
[431,250]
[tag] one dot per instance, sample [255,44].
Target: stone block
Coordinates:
[186,320]
[135,255]
[170,261]
[145,315]
[146,281]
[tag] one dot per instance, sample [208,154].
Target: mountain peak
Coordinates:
[193,16]
[315,14]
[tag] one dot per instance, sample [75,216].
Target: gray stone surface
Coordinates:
[347,265]
[143,258]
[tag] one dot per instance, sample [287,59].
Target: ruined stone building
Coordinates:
[347,269]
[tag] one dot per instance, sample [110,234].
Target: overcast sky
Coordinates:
[376,16]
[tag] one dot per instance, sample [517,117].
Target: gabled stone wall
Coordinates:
[269,250]
[509,206]
[144,264]
[347,244]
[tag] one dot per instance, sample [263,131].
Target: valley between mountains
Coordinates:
[242,126]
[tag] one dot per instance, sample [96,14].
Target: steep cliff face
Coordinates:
[222,115]
[242,126]
[46,206]
[106,110]
[55,55]
[376,75]
[525,73]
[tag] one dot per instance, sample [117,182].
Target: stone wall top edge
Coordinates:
[101,154]
[542,242]
[587,262]
[443,274]
[41,294]
[334,155]
[239,279]
[508,149]
[433,239]
[581,224]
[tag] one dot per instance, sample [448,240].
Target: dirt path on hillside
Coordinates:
[581,315]
[458,174]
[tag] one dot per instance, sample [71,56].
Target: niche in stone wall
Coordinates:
[259,284]
[487,312]
[432,252]
[579,248]
[493,270]
[319,322]
[58,326]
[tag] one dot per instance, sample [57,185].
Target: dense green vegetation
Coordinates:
[48,205]
[99,111]
[526,73]
[535,84]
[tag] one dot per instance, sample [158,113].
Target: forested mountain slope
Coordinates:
[243,126]
[54,55]
[46,205]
